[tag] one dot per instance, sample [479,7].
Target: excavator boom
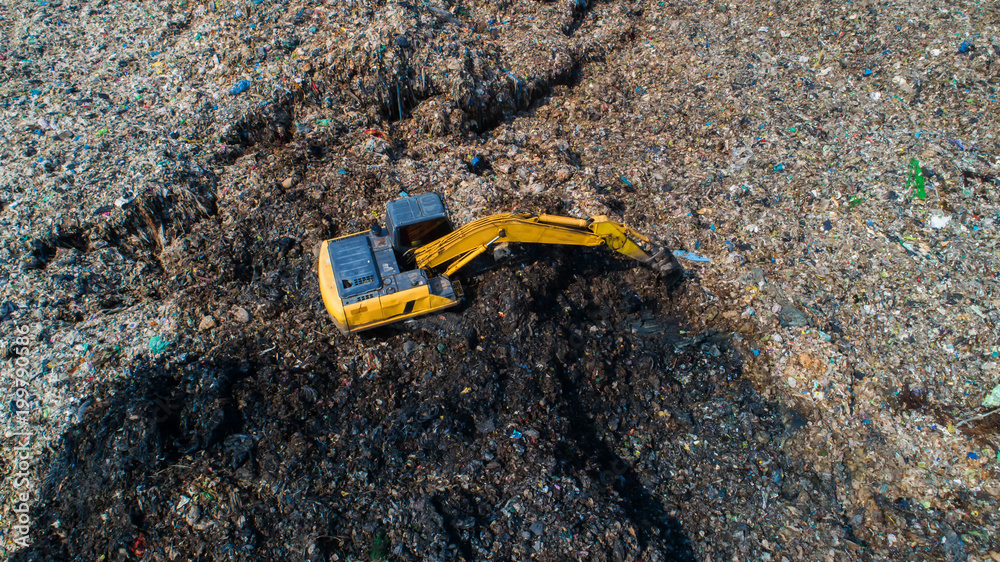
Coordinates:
[474,238]
[387,275]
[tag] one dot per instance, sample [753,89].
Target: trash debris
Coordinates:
[241,315]
[157,345]
[791,316]
[124,200]
[992,399]
[240,87]
[691,256]
[940,221]
[812,392]
[915,181]
[207,323]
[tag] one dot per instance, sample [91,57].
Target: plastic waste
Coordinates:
[157,344]
[916,180]
[691,256]
[992,399]
[240,87]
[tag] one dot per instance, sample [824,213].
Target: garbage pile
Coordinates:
[824,382]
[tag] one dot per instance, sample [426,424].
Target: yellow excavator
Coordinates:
[363,285]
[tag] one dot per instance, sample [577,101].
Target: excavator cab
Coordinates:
[365,279]
[415,221]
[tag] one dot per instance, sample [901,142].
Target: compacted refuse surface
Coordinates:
[821,383]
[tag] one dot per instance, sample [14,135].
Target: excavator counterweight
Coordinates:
[363,285]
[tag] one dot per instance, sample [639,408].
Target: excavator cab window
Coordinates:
[416,235]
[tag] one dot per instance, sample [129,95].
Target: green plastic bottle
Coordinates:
[916,179]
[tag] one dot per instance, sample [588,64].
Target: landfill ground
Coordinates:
[822,383]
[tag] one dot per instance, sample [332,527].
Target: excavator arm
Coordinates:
[462,245]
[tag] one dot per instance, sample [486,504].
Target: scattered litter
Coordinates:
[992,399]
[240,87]
[241,314]
[940,221]
[174,168]
[124,200]
[691,256]
[157,345]
[915,180]
[207,323]
[791,316]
